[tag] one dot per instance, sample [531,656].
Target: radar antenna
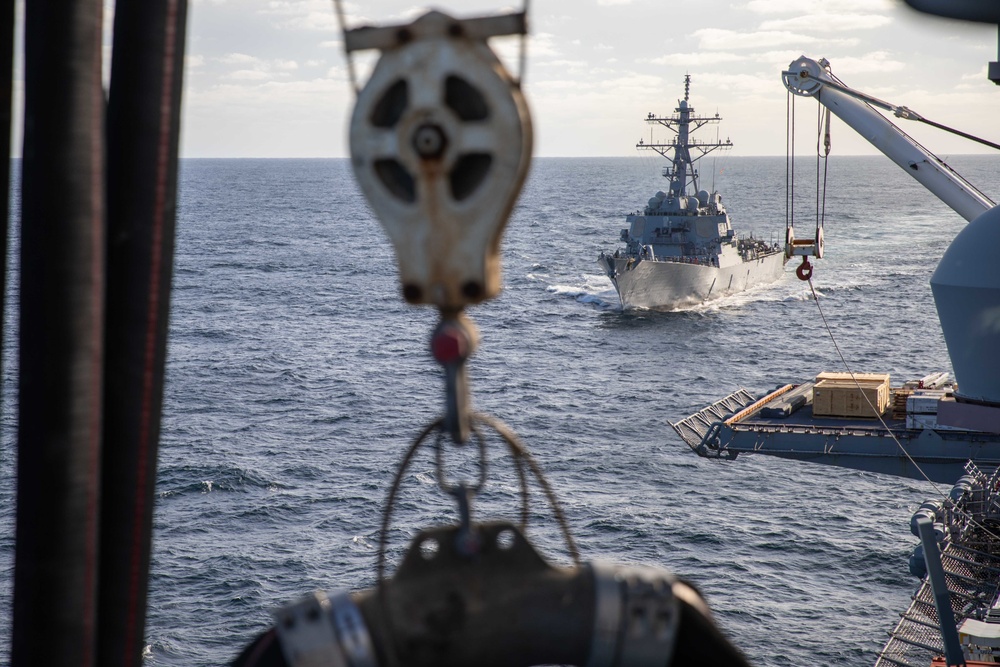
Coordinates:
[683,151]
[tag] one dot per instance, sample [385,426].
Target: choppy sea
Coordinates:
[297,377]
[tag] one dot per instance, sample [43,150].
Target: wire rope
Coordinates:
[892,434]
[338,9]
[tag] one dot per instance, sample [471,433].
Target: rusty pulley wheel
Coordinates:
[440,144]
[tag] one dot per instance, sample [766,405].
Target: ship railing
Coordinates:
[971,560]
[701,261]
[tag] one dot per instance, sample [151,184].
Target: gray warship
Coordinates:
[681,249]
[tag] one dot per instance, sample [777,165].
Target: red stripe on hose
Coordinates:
[152,322]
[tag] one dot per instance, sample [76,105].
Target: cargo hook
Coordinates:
[805,270]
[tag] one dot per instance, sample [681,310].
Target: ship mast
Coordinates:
[683,123]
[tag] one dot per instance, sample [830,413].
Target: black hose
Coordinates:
[61,337]
[142,138]
[6,81]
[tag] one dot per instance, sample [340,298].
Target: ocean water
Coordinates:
[297,377]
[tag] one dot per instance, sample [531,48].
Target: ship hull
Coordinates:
[667,285]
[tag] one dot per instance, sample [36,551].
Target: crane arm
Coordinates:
[810,78]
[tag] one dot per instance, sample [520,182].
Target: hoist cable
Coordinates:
[819,133]
[824,154]
[847,366]
[793,163]
[892,434]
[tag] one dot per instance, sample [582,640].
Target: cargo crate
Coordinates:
[924,401]
[841,396]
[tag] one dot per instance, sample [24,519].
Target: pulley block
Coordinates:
[803,76]
[440,145]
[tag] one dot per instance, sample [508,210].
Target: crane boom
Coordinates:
[810,78]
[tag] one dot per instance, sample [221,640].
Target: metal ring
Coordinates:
[636,617]
[306,633]
[443,484]
[350,626]
[607,615]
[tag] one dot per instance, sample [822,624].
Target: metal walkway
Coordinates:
[972,570]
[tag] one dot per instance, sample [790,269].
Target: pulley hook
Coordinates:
[805,269]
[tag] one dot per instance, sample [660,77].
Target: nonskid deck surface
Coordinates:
[740,410]
[803,418]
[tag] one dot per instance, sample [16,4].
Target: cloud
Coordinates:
[777,59]
[718,39]
[307,15]
[611,3]
[237,59]
[981,75]
[696,59]
[565,64]
[540,48]
[743,85]
[248,75]
[771,7]
[876,61]
[829,22]
[192,62]
[252,68]
[239,99]
[830,6]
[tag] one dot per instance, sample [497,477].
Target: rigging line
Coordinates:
[964,135]
[843,360]
[822,218]
[826,170]
[339,11]
[903,112]
[788,103]
[523,46]
[792,200]
[519,451]
[819,133]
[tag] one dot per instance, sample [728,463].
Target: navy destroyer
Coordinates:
[681,249]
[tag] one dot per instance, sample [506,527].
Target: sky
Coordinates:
[268,78]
